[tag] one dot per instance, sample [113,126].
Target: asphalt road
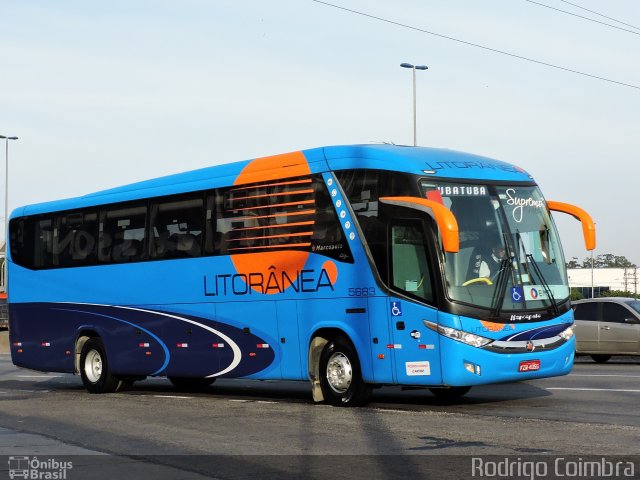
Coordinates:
[593,411]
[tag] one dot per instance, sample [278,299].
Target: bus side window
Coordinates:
[20,251]
[265,216]
[43,251]
[122,234]
[76,241]
[363,187]
[177,227]
[328,238]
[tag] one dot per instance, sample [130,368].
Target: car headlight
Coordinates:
[459,335]
[567,333]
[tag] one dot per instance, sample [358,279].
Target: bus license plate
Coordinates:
[529,366]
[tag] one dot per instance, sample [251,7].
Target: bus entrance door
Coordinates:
[411,267]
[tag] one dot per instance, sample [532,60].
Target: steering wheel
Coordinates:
[484,280]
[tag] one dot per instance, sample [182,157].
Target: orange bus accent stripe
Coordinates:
[301,234]
[288,204]
[274,215]
[273,246]
[293,224]
[245,187]
[292,192]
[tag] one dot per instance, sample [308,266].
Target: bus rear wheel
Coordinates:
[340,375]
[94,368]
[191,384]
[449,394]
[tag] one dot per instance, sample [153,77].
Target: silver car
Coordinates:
[607,326]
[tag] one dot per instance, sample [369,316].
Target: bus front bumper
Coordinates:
[466,365]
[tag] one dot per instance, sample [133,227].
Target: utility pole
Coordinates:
[625,279]
[592,293]
[3,284]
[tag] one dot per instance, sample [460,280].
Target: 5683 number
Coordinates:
[362,292]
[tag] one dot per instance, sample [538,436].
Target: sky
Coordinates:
[102,94]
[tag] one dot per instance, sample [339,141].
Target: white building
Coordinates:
[625,279]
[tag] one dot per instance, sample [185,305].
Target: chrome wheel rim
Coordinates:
[339,372]
[93,366]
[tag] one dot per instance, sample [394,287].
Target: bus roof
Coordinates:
[429,162]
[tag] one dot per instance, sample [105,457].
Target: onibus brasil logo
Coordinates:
[33,468]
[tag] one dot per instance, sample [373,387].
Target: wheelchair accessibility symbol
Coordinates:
[517,294]
[396,309]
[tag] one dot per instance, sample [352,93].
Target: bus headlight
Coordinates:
[567,333]
[459,335]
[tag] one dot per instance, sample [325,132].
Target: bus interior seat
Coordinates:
[127,251]
[186,244]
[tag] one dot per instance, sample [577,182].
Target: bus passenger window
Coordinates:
[176,228]
[266,216]
[122,234]
[20,251]
[328,238]
[76,241]
[409,263]
[43,251]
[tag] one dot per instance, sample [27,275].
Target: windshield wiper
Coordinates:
[552,299]
[506,267]
[533,263]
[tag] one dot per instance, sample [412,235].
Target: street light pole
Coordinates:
[6,207]
[414,68]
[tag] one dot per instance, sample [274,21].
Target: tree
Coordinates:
[573,263]
[617,293]
[606,260]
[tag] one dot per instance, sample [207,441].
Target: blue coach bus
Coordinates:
[349,266]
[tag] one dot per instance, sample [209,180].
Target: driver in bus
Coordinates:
[491,266]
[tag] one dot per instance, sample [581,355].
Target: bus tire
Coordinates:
[191,384]
[601,358]
[340,375]
[94,368]
[449,394]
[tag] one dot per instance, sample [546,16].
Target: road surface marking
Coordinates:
[602,375]
[170,396]
[594,389]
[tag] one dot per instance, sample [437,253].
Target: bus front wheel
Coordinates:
[94,368]
[340,375]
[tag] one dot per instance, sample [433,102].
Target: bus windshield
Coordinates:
[510,257]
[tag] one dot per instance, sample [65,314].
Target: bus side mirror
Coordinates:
[444,218]
[588,226]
